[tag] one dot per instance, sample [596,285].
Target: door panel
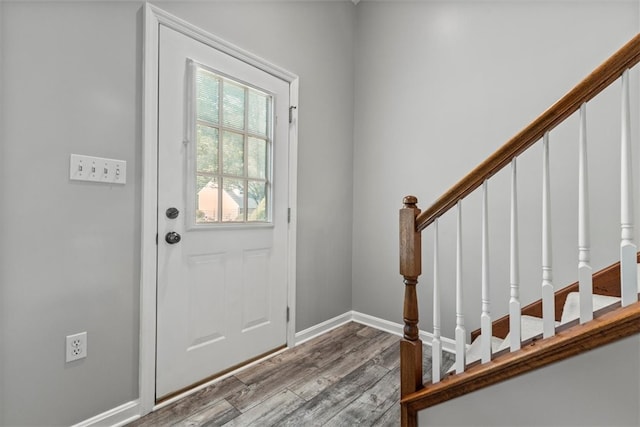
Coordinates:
[255,298]
[206,297]
[222,288]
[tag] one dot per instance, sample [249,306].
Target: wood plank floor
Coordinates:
[349,376]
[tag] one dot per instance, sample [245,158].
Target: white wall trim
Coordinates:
[322,328]
[148,279]
[118,416]
[293,205]
[153,18]
[378,323]
[448,344]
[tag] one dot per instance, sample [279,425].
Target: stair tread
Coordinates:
[571,309]
[533,326]
[474,351]
[530,327]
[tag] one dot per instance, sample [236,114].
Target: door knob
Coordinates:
[172,238]
[172,213]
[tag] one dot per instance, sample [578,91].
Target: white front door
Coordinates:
[222,212]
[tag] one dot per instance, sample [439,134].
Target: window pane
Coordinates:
[208,193]
[257,158]
[207,88]
[258,109]
[233,200]
[233,106]
[256,201]
[233,154]
[207,158]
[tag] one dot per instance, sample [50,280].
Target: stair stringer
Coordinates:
[611,326]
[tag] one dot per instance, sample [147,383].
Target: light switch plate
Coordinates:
[97,169]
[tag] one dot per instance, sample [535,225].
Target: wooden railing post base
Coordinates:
[410,377]
[408,417]
[410,366]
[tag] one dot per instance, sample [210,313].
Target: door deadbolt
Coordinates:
[172,213]
[172,238]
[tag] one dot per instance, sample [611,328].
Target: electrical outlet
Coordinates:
[76,346]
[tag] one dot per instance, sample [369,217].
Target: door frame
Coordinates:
[153,18]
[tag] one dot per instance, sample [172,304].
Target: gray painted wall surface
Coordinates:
[439,87]
[3,177]
[70,76]
[569,393]
[70,251]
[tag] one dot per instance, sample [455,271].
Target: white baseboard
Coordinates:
[378,323]
[116,417]
[448,344]
[322,328]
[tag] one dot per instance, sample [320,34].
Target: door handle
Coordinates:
[172,238]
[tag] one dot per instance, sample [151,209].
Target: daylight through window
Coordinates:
[233,125]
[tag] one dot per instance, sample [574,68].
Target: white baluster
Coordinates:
[585,273]
[485,317]
[515,325]
[548,302]
[628,249]
[461,333]
[436,344]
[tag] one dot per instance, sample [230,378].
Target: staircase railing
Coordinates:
[412,222]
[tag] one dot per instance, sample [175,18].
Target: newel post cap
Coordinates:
[410,201]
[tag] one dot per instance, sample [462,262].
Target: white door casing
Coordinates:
[154,18]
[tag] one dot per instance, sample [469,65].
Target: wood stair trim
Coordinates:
[610,327]
[605,282]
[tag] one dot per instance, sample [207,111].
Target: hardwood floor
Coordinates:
[349,376]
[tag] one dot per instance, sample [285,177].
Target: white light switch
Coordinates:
[97,169]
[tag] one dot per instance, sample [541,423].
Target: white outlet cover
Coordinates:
[76,346]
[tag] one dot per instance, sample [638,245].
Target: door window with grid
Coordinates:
[232,127]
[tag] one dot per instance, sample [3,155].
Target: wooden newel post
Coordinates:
[410,269]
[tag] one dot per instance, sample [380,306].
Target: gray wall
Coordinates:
[2,204]
[592,389]
[71,81]
[441,85]
[70,251]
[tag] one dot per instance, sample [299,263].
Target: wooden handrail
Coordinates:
[608,72]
